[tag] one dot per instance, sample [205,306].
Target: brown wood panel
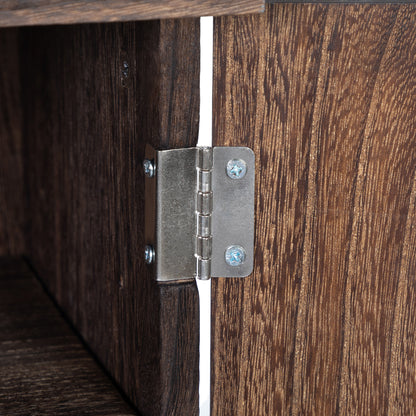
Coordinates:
[94,96]
[342,1]
[49,12]
[326,96]
[11,164]
[45,369]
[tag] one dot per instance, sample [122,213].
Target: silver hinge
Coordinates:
[199,212]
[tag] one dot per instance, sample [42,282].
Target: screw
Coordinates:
[125,70]
[236,168]
[149,254]
[235,256]
[149,168]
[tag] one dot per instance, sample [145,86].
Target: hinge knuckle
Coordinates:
[204,226]
[204,203]
[204,247]
[204,181]
[203,268]
[204,158]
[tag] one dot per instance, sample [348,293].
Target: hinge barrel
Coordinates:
[204,213]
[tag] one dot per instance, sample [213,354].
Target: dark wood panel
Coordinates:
[45,369]
[48,12]
[326,97]
[351,2]
[94,96]
[11,164]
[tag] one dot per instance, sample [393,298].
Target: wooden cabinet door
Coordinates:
[326,325]
[93,96]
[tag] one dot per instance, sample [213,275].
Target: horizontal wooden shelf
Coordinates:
[45,369]
[48,12]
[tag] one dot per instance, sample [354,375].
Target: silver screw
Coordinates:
[149,254]
[149,168]
[236,168]
[235,255]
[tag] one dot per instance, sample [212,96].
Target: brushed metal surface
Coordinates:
[175,225]
[233,211]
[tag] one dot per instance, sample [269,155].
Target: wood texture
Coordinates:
[48,12]
[45,370]
[11,163]
[342,1]
[326,96]
[94,96]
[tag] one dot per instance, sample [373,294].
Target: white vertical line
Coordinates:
[205,83]
[204,289]
[205,139]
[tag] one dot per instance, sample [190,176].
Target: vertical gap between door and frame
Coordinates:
[205,140]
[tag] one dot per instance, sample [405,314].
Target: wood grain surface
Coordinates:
[11,161]
[351,2]
[94,95]
[326,97]
[49,12]
[45,369]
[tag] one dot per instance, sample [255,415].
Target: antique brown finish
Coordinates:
[48,12]
[45,370]
[94,95]
[342,1]
[326,96]
[11,163]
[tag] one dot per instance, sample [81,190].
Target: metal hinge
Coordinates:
[199,212]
